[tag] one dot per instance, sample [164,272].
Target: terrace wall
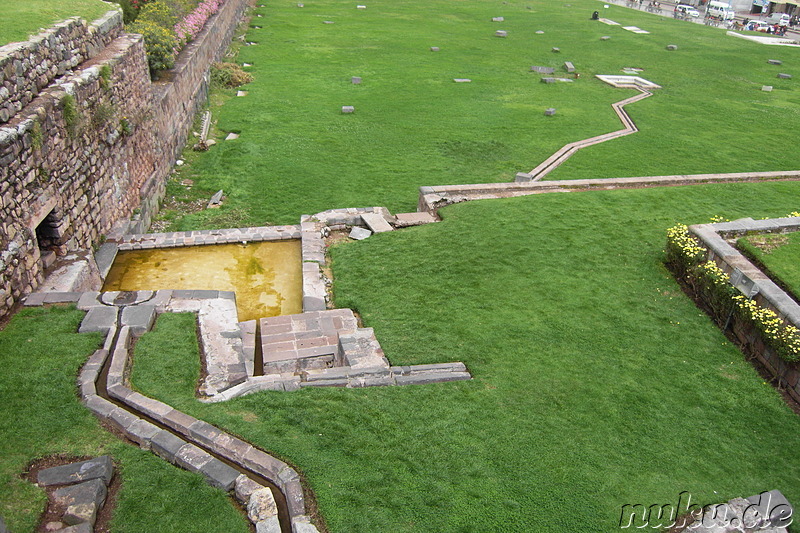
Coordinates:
[68,183]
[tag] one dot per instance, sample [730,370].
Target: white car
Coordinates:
[687,10]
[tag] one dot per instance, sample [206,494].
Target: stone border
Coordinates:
[189,443]
[748,277]
[432,198]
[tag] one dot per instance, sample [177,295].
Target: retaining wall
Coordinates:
[68,180]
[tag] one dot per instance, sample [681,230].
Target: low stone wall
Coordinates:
[28,67]
[751,279]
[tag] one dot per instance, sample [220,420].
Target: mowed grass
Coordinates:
[413,126]
[597,382]
[781,257]
[22,19]
[40,354]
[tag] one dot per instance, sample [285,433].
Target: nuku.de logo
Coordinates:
[764,511]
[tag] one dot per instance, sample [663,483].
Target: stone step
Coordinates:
[414,219]
[376,222]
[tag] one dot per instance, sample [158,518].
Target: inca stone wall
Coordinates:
[28,67]
[88,140]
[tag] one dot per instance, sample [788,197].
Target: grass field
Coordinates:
[21,19]
[414,126]
[42,416]
[597,382]
[779,253]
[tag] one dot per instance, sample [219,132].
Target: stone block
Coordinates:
[295,500]
[192,458]
[303,526]
[433,377]
[97,468]
[83,527]
[142,432]
[139,318]
[434,48]
[261,505]
[414,219]
[605,38]
[543,70]
[773,507]
[245,487]
[359,234]
[100,319]
[263,463]
[766,88]
[348,109]
[501,33]
[550,111]
[462,80]
[672,47]
[179,421]
[376,222]
[522,177]
[548,80]
[104,257]
[555,48]
[122,419]
[3,528]
[89,300]
[355,80]
[82,501]
[270,525]
[219,475]
[774,61]
[784,76]
[569,67]
[166,445]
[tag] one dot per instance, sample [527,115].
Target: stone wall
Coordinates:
[28,67]
[84,153]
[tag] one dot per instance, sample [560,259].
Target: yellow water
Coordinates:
[266,276]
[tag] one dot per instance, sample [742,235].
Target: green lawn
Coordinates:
[597,382]
[414,126]
[779,253]
[40,355]
[21,19]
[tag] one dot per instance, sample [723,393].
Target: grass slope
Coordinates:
[597,382]
[781,261]
[21,19]
[42,415]
[414,126]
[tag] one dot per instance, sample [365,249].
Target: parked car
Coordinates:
[687,10]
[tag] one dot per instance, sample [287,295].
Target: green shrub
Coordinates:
[105,77]
[129,11]
[72,118]
[37,138]
[158,13]
[102,115]
[229,75]
[159,43]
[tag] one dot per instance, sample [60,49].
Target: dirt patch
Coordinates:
[768,243]
[53,513]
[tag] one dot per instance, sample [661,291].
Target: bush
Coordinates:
[229,75]
[159,43]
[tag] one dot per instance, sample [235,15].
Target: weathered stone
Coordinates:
[97,468]
[219,475]
[497,19]
[550,111]
[303,527]
[767,88]
[245,487]
[522,177]
[543,70]
[376,223]
[166,445]
[99,319]
[82,501]
[672,47]
[569,67]
[3,528]
[261,505]
[555,49]
[355,80]
[605,38]
[139,318]
[359,234]
[784,76]
[774,61]
[434,48]
[270,525]
[346,109]
[501,33]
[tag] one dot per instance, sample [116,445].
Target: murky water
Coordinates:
[266,276]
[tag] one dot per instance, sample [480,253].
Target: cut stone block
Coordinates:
[3,528]
[462,80]
[550,111]
[376,222]
[543,70]
[220,475]
[166,445]
[82,501]
[774,61]
[327,22]
[245,487]
[83,527]
[538,32]
[414,219]
[501,33]
[672,47]
[139,318]
[231,136]
[355,80]
[97,468]
[605,38]
[99,319]
[359,234]
[303,527]
[261,505]
[497,19]
[767,88]
[361,7]
[548,80]
[784,76]
[556,49]
[569,67]
[270,525]
[522,177]
[434,48]
[348,109]
[104,257]
[241,93]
